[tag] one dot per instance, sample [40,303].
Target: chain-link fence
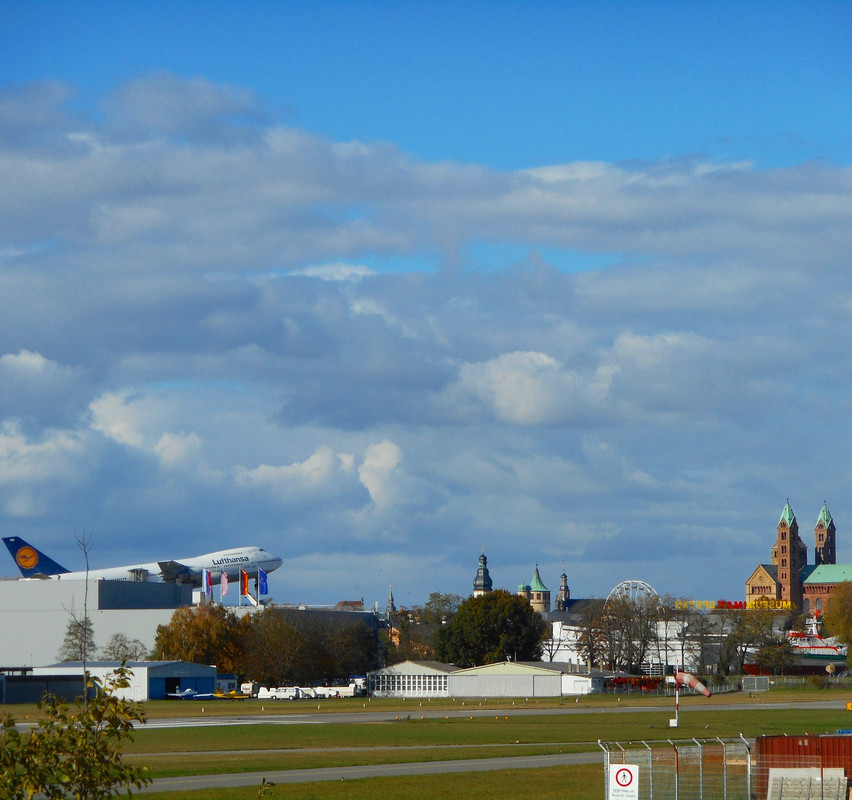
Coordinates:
[717,769]
[687,770]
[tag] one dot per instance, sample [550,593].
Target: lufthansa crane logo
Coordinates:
[26,557]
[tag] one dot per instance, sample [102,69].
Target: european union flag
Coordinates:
[262,588]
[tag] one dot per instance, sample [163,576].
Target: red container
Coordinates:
[810,750]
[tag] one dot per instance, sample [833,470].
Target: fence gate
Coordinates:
[708,769]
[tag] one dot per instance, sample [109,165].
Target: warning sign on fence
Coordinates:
[623,782]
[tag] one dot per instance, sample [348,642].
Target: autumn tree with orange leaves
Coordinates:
[205,634]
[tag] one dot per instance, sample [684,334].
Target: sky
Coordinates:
[380,286]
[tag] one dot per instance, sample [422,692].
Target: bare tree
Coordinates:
[121,647]
[78,644]
[625,631]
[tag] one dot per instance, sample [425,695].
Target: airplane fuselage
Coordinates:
[188,570]
[35,564]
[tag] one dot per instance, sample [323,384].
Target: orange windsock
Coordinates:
[685,679]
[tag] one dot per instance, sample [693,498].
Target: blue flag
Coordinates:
[205,581]
[262,588]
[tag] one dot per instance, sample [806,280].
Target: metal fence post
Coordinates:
[724,769]
[606,767]
[650,771]
[748,765]
[677,768]
[700,769]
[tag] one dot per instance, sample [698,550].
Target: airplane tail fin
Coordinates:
[29,560]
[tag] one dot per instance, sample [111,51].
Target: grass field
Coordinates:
[584,782]
[265,747]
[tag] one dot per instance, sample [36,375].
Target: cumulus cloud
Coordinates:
[319,471]
[193,108]
[377,470]
[527,388]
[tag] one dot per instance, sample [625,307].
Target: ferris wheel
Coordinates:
[633,590]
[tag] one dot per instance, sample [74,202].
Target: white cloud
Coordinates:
[377,471]
[173,448]
[321,469]
[119,419]
[527,388]
[336,272]
[23,459]
[29,467]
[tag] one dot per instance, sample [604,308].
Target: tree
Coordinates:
[73,752]
[625,631]
[352,650]
[411,634]
[588,645]
[277,652]
[440,607]
[79,641]
[204,634]
[121,647]
[837,619]
[743,631]
[775,657]
[697,638]
[496,626]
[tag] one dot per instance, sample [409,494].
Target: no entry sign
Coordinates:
[623,782]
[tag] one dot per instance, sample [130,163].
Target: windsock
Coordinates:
[685,679]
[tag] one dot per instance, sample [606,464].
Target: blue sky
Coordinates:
[511,85]
[377,285]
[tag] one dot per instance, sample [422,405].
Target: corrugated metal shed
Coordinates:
[505,679]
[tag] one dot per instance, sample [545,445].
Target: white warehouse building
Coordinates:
[426,679]
[34,614]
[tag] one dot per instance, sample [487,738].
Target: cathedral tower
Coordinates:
[825,546]
[791,555]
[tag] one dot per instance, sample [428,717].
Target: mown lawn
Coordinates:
[583,782]
[198,751]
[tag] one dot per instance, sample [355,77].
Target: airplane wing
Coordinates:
[175,571]
[189,694]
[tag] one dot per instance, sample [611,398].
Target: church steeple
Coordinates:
[564,593]
[825,535]
[791,555]
[536,593]
[482,581]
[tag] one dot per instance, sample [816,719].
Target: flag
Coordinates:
[243,582]
[224,583]
[262,588]
[205,581]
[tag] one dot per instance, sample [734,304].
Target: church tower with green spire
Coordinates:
[791,555]
[825,546]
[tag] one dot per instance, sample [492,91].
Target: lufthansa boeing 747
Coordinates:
[34,564]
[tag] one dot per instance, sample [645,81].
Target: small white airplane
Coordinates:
[34,564]
[189,694]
